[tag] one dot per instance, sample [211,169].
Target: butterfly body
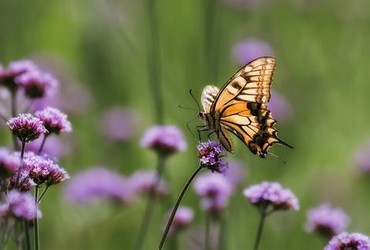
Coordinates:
[240,107]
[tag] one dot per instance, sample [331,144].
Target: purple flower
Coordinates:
[146,182]
[9,163]
[271,194]
[211,154]
[250,49]
[118,124]
[326,221]
[54,146]
[183,218]
[362,158]
[15,69]
[214,189]
[163,139]
[236,172]
[54,120]
[98,183]
[349,241]
[26,127]
[43,170]
[280,108]
[37,84]
[22,205]
[25,183]
[4,210]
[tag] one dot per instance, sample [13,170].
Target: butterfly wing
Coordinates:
[241,107]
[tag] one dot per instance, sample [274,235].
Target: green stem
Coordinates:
[27,234]
[13,107]
[207,231]
[263,215]
[42,194]
[20,167]
[149,208]
[36,221]
[177,203]
[153,59]
[42,144]
[223,231]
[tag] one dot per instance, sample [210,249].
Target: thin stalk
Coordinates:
[20,168]
[222,233]
[153,59]
[207,231]
[42,144]
[27,235]
[177,203]
[13,112]
[42,194]
[149,208]
[36,221]
[263,215]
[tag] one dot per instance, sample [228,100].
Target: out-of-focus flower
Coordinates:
[146,182]
[37,84]
[362,158]
[54,146]
[22,205]
[211,154]
[26,127]
[349,241]
[43,170]
[164,139]
[280,108]
[250,49]
[271,194]
[15,69]
[54,120]
[215,190]
[183,218]
[9,163]
[118,124]
[4,210]
[98,183]
[326,220]
[236,172]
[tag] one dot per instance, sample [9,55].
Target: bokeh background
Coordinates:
[99,52]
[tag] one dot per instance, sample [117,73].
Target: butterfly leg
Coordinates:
[200,129]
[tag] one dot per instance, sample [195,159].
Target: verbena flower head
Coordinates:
[326,220]
[25,183]
[146,182]
[271,194]
[236,172]
[22,205]
[15,69]
[183,218]
[211,154]
[26,127]
[250,49]
[349,241]
[9,163]
[164,139]
[214,189]
[42,170]
[54,120]
[280,107]
[118,124]
[37,84]
[98,183]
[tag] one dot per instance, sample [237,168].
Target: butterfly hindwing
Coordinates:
[241,107]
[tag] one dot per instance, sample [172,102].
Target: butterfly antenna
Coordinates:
[188,127]
[195,99]
[277,157]
[187,108]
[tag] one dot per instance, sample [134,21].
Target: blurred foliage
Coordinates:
[322,50]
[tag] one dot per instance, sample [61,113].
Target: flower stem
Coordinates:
[36,223]
[13,112]
[42,194]
[263,215]
[177,203]
[207,231]
[222,233]
[20,167]
[42,144]
[149,208]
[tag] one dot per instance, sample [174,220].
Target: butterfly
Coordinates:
[240,107]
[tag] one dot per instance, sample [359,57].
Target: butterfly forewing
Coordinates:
[240,107]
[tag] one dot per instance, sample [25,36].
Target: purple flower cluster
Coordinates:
[9,163]
[349,241]
[146,182]
[326,221]
[210,154]
[21,181]
[183,218]
[21,206]
[215,190]
[14,70]
[98,183]
[271,194]
[36,84]
[54,120]
[164,139]
[250,49]
[26,127]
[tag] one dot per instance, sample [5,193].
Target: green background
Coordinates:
[322,50]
